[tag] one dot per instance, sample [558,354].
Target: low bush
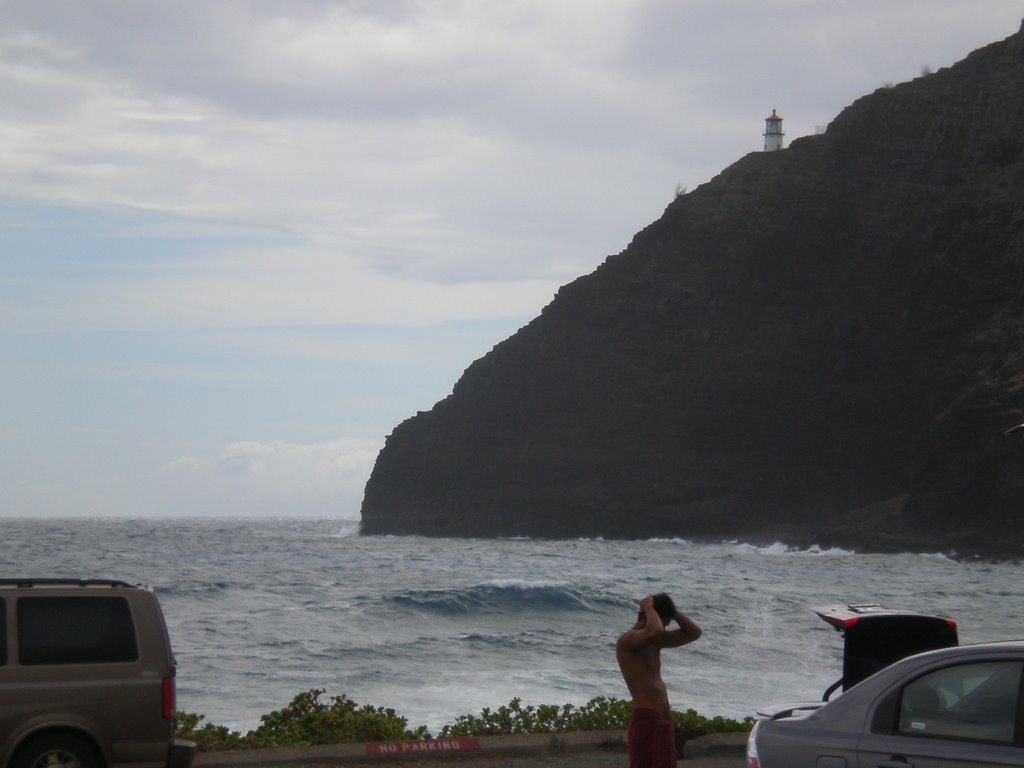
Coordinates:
[208,737]
[309,720]
[306,721]
[598,714]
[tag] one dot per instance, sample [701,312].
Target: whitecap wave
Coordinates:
[346,529]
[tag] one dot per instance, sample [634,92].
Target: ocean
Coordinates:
[260,610]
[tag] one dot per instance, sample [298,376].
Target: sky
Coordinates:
[241,241]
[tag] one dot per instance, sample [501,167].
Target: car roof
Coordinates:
[973,648]
[58,583]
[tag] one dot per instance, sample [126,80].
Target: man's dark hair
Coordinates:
[664,607]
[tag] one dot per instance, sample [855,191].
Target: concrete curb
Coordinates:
[714,746]
[385,752]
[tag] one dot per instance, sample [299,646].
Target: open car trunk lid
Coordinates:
[875,637]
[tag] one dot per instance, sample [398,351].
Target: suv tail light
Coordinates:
[168,698]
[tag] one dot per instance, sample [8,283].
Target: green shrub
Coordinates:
[209,737]
[309,720]
[306,721]
[689,725]
[598,714]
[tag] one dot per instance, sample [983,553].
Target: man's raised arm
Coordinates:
[648,629]
[686,632]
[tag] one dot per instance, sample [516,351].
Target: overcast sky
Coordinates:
[241,241]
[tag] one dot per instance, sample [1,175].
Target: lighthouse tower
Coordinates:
[773,132]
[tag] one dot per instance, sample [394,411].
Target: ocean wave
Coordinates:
[674,540]
[192,588]
[781,548]
[346,529]
[742,547]
[937,556]
[503,596]
[815,549]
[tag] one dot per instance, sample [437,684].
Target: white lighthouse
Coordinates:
[773,132]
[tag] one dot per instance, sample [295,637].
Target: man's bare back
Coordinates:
[638,651]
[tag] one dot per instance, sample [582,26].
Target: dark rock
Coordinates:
[821,345]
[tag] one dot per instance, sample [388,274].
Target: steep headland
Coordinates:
[823,344]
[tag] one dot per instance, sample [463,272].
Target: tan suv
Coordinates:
[86,677]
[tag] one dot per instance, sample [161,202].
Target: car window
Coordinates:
[75,630]
[967,701]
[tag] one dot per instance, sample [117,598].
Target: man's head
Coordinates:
[663,606]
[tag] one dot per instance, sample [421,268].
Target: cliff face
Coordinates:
[823,344]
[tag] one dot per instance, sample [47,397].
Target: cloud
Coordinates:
[254,287]
[401,140]
[245,479]
[275,478]
[432,142]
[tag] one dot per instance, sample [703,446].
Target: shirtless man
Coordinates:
[651,735]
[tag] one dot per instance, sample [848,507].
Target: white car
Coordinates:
[954,707]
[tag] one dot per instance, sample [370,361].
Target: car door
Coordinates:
[955,716]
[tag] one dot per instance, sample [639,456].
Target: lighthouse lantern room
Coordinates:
[773,132]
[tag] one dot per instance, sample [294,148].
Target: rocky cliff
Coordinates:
[821,345]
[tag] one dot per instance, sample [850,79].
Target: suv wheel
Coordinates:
[56,750]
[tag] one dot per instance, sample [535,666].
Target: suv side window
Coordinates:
[75,630]
[967,701]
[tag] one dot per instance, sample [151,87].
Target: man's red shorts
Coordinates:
[651,740]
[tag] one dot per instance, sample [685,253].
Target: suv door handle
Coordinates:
[895,762]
